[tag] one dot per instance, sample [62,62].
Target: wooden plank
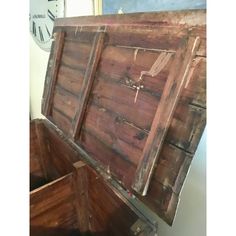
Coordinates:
[116,133]
[43,157]
[170,97]
[88,81]
[37,170]
[108,214]
[127,65]
[58,48]
[65,102]
[63,122]
[76,55]
[172,167]
[113,162]
[53,194]
[162,200]
[176,18]
[35,166]
[70,79]
[148,36]
[52,210]
[120,99]
[186,127]
[60,148]
[80,182]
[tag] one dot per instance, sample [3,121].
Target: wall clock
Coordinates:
[42,16]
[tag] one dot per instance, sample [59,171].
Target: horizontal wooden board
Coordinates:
[65,102]
[127,65]
[52,209]
[70,79]
[76,54]
[54,193]
[120,98]
[161,200]
[175,18]
[172,167]
[109,128]
[62,121]
[112,161]
[109,215]
[186,127]
[60,149]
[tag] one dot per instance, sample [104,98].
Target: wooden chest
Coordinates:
[125,102]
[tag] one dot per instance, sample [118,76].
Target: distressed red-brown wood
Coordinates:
[51,208]
[109,215]
[65,204]
[88,81]
[54,64]
[38,175]
[165,111]
[81,187]
[114,130]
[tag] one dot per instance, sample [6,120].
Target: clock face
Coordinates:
[42,16]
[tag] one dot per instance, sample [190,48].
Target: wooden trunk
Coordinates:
[126,103]
[67,196]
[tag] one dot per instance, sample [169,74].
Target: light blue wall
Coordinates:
[128,6]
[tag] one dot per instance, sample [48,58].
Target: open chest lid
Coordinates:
[129,89]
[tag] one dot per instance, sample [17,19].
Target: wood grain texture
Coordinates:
[114,129]
[51,207]
[108,214]
[187,17]
[38,175]
[54,64]
[165,111]
[88,81]
[80,181]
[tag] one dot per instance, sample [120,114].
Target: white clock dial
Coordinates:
[42,16]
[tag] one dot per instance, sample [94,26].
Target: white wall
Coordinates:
[191,217]
[38,66]
[39,58]
[191,214]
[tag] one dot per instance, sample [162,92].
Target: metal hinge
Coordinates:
[140,228]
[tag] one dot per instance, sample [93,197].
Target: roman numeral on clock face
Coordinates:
[41,34]
[34,29]
[48,31]
[51,16]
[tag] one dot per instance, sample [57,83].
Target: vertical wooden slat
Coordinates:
[80,181]
[163,116]
[58,48]
[43,157]
[88,81]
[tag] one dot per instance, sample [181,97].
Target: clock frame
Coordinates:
[42,16]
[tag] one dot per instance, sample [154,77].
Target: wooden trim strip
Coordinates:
[80,185]
[88,81]
[184,17]
[164,114]
[59,43]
